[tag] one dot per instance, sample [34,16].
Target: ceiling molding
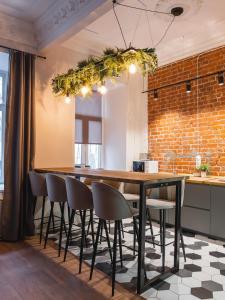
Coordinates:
[17,33]
[66,18]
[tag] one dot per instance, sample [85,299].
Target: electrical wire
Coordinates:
[118,22]
[143,9]
[165,33]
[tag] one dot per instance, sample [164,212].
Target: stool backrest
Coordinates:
[56,188]
[79,195]
[134,188]
[38,184]
[109,203]
[115,184]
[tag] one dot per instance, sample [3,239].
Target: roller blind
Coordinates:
[88,120]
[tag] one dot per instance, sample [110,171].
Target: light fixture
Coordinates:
[102,89]
[84,90]
[67,99]
[132,69]
[188,86]
[156,95]
[220,78]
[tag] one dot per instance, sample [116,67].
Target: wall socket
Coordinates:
[198,160]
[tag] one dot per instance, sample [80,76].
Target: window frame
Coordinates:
[85,127]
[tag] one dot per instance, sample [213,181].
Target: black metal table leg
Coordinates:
[141,239]
[177,225]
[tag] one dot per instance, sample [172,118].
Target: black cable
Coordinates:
[167,29]
[143,9]
[119,24]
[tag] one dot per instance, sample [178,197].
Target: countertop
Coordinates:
[209,180]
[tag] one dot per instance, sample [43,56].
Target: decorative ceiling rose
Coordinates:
[91,74]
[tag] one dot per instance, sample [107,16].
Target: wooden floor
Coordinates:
[27,271]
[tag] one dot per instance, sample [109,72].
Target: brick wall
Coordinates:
[179,126]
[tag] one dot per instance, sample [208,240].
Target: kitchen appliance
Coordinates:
[147,166]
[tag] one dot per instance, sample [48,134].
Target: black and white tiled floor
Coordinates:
[202,276]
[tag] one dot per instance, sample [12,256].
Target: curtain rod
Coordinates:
[183,81]
[9,48]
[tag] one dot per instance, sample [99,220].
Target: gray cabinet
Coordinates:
[203,210]
[218,211]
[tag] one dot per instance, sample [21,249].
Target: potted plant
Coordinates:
[204,168]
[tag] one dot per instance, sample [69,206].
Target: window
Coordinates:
[4,62]
[88,131]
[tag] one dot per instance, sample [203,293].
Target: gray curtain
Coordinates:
[17,219]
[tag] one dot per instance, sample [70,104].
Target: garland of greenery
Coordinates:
[95,71]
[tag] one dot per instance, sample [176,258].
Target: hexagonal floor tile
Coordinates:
[162,285]
[193,256]
[153,255]
[192,267]
[212,286]
[191,282]
[167,295]
[180,289]
[217,254]
[201,293]
[217,265]
[184,273]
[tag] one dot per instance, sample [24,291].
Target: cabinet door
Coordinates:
[196,219]
[197,195]
[218,211]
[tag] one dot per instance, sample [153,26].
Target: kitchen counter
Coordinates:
[209,180]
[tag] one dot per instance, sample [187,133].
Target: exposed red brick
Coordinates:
[176,128]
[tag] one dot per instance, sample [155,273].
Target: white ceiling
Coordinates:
[28,10]
[201,27]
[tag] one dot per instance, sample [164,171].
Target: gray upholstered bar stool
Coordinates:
[131,193]
[79,198]
[56,189]
[163,206]
[39,189]
[110,205]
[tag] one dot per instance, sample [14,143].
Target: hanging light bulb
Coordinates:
[67,99]
[132,69]
[220,78]
[102,89]
[188,87]
[84,91]
[156,95]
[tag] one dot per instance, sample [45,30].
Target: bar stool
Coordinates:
[131,193]
[56,189]
[39,189]
[163,206]
[110,205]
[79,198]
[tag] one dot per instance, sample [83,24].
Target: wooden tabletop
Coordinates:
[123,176]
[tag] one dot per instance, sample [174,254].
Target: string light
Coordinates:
[102,89]
[132,69]
[84,91]
[67,99]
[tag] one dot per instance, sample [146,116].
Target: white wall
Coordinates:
[114,128]
[125,123]
[54,119]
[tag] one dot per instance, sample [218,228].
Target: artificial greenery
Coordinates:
[95,71]
[204,168]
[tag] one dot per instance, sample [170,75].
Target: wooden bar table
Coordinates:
[146,181]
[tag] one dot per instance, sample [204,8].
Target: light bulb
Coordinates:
[102,89]
[132,68]
[84,91]
[67,100]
